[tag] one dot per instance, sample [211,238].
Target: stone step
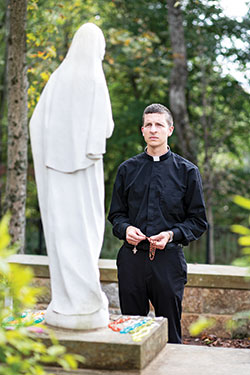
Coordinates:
[105,349]
[183,360]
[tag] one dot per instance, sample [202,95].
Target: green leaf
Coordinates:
[71,361]
[240,229]
[241,201]
[39,347]
[56,350]
[244,241]
[63,363]
[2,337]
[4,232]
[199,325]
[242,262]
[4,267]
[38,370]
[231,325]
[79,358]
[11,359]
[246,250]
[47,358]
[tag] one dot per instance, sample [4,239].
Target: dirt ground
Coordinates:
[214,341]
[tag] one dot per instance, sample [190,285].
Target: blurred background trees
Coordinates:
[157,51]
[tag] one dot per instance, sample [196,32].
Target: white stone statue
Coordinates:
[68,132]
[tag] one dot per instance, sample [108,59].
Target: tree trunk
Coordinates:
[210,234]
[17,121]
[208,177]
[178,81]
[3,92]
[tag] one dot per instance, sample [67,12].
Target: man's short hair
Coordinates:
[158,108]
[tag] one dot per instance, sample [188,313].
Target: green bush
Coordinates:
[21,350]
[240,323]
[244,232]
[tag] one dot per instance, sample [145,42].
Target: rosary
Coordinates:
[138,329]
[152,248]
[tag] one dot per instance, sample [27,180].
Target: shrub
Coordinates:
[21,350]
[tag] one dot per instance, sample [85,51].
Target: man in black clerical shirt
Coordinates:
[157,203]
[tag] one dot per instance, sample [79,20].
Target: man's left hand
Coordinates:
[161,239]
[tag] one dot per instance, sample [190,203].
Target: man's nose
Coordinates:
[153,128]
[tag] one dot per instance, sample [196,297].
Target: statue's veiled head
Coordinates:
[88,44]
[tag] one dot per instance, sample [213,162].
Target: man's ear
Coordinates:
[142,129]
[171,130]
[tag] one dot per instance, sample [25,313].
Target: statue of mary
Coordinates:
[68,131]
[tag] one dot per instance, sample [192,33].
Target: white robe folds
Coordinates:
[68,133]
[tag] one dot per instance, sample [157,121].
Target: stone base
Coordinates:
[105,349]
[98,319]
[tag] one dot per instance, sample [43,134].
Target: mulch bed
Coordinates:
[214,341]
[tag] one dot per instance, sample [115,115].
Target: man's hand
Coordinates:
[134,235]
[161,239]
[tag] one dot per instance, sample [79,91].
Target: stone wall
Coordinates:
[212,291]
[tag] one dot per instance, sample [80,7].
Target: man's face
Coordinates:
[156,130]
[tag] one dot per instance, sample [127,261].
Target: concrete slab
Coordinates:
[106,349]
[186,360]
[195,360]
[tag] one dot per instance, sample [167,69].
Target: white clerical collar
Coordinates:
[156,158]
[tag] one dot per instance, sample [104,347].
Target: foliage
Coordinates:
[50,28]
[200,325]
[21,351]
[239,324]
[111,244]
[244,232]
[242,318]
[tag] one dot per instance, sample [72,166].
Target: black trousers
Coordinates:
[160,281]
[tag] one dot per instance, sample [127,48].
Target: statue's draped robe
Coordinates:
[68,132]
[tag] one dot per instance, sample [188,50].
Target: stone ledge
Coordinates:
[39,263]
[199,275]
[183,360]
[218,276]
[104,349]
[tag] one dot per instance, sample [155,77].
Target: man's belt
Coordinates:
[145,245]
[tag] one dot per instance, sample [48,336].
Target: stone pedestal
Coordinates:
[105,349]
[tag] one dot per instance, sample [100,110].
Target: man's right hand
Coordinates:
[134,235]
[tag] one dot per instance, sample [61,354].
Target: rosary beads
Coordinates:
[152,249]
[138,330]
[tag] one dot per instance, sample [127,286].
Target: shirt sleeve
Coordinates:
[118,214]
[195,223]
